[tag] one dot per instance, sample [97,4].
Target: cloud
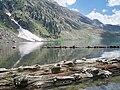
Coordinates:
[113,19]
[74,9]
[113,3]
[104,10]
[65,2]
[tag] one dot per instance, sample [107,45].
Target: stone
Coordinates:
[105,66]
[29,68]
[14,47]
[104,73]
[57,74]
[21,82]
[69,63]
[3,70]
[55,69]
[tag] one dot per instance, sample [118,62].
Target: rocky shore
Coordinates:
[58,74]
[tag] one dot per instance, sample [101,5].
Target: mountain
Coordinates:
[98,23]
[46,19]
[112,28]
[107,27]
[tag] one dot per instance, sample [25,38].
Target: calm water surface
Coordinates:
[30,53]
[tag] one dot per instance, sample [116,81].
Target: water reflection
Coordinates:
[110,86]
[113,83]
[30,53]
[26,48]
[113,54]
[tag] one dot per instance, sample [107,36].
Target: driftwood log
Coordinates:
[58,74]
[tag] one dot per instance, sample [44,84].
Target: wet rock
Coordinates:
[84,59]
[108,60]
[69,63]
[57,74]
[95,72]
[87,75]
[3,70]
[76,77]
[55,69]
[104,73]
[14,41]
[105,66]
[14,47]
[21,82]
[66,80]
[115,60]
[29,68]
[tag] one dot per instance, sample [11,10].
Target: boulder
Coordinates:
[21,82]
[55,69]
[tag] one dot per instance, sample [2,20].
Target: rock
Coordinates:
[3,70]
[57,74]
[55,69]
[105,66]
[69,63]
[14,47]
[108,60]
[76,77]
[101,60]
[21,82]
[104,73]
[29,68]
[14,41]
[95,72]
[84,59]
[88,75]
[65,80]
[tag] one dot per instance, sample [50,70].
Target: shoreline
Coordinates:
[59,74]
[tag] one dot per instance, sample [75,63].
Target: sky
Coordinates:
[106,11]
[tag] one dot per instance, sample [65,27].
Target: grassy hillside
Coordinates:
[47,19]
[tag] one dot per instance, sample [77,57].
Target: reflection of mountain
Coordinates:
[8,55]
[28,47]
[31,53]
[51,55]
[113,54]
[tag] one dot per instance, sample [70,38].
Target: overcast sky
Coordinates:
[107,11]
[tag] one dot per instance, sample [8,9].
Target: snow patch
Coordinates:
[9,14]
[23,33]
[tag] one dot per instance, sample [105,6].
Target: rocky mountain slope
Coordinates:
[112,28]
[48,20]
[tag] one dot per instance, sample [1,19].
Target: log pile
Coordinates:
[58,74]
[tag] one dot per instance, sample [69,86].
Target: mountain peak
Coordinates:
[45,18]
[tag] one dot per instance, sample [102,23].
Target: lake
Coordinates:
[31,53]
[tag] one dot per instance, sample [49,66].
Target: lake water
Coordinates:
[30,53]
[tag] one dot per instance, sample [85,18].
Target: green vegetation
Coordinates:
[47,19]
